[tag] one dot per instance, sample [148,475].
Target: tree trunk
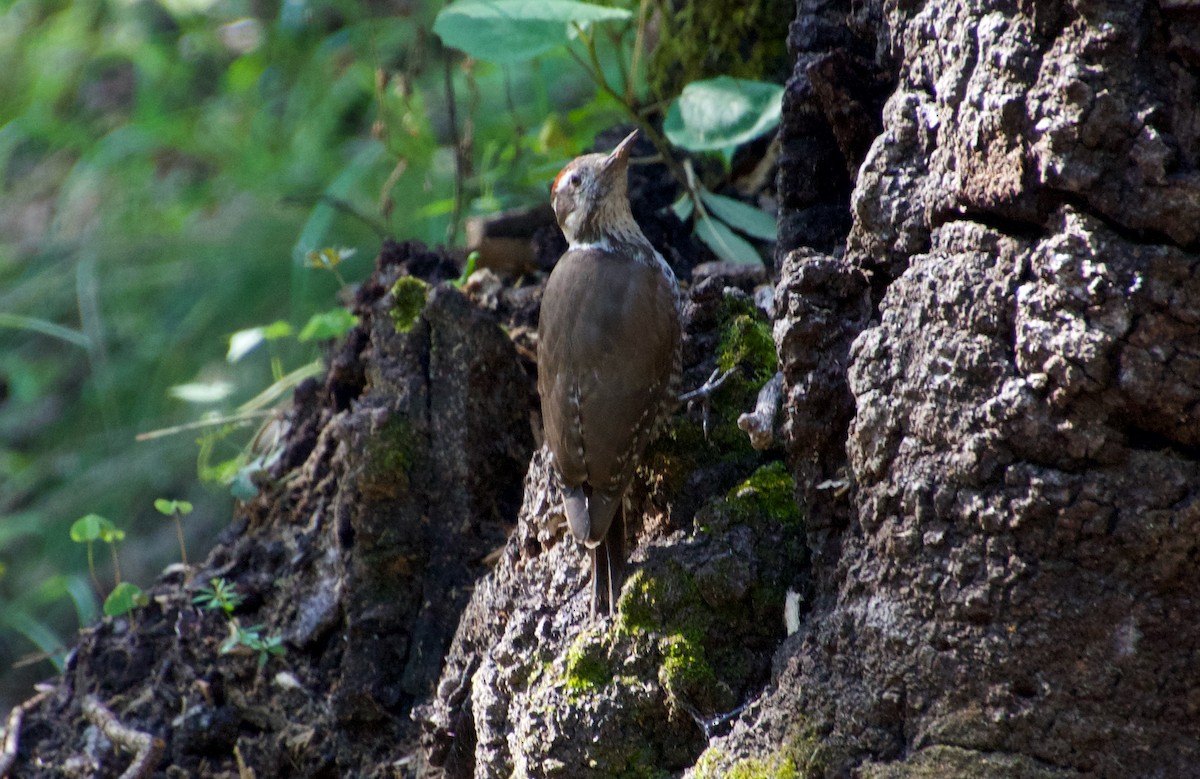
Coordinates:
[1005,586]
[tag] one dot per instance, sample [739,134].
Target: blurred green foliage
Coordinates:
[165,169]
[174,178]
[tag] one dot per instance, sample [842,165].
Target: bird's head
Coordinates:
[590,196]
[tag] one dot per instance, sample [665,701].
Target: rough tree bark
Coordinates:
[1008,582]
[987,316]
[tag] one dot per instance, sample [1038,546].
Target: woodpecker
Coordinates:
[609,355]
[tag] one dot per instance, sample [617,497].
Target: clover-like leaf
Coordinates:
[124,598]
[170,507]
[91,527]
[328,325]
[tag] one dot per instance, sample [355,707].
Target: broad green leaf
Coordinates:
[725,243]
[38,632]
[34,325]
[722,112]
[124,598]
[328,325]
[683,207]
[80,591]
[90,528]
[510,31]
[741,217]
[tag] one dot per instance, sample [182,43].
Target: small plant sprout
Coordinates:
[220,594]
[252,639]
[91,528]
[176,509]
[124,596]
[468,269]
[329,259]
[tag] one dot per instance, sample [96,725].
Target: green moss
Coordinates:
[665,601]
[707,38]
[746,341]
[667,606]
[588,666]
[408,295]
[770,491]
[799,757]
[685,670]
[637,609]
[390,456]
[643,764]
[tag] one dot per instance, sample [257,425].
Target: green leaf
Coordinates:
[328,325]
[741,217]
[124,598]
[34,325]
[722,112]
[683,207]
[328,258]
[171,507]
[276,330]
[38,632]
[242,485]
[91,527]
[245,341]
[202,392]
[510,31]
[725,243]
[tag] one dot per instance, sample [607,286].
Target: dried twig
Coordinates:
[12,732]
[146,747]
[760,423]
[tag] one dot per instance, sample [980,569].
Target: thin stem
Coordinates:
[615,39]
[242,418]
[182,545]
[660,142]
[112,547]
[92,567]
[639,40]
[452,115]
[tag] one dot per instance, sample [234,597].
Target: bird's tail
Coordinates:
[589,516]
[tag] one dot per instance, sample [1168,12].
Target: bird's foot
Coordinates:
[705,391]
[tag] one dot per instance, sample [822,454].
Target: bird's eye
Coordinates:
[573,181]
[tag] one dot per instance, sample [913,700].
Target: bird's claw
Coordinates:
[705,391]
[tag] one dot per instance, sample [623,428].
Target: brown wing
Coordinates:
[607,337]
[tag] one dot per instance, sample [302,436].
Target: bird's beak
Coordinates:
[621,153]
